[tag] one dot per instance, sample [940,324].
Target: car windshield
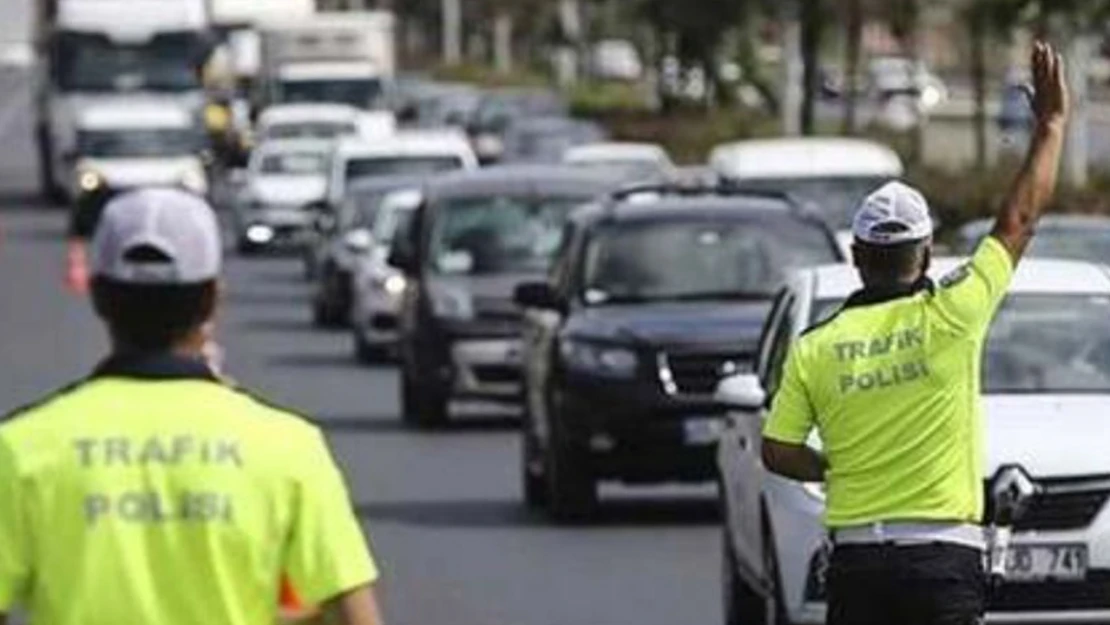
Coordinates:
[90,62]
[390,221]
[1085,242]
[310,130]
[498,234]
[294,164]
[700,259]
[401,166]
[836,199]
[361,93]
[1041,344]
[138,143]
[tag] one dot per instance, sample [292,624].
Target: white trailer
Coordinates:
[345,58]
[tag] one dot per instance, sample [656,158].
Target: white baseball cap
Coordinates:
[895,213]
[157,237]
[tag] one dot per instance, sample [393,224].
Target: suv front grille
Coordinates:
[1063,504]
[697,373]
[1092,593]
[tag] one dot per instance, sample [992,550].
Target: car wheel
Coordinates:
[744,605]
[245,247]
[368,354]
[421,406]
[571,487]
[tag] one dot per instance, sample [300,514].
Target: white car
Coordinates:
[830,176]
[1046,394]
[321,121]
[633,161]
[285,181]
[126,143]
[406,153]
[380,287]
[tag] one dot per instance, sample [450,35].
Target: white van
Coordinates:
[829,175]
[131,142]
[406,153]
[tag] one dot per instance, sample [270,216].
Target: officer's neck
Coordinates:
[190,347]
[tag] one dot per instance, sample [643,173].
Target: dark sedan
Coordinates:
[477,235]
[651,301]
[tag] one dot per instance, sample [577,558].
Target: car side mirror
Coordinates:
[359,240]
[536,295]
[742,392]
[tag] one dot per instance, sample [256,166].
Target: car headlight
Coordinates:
[90,181]
[393,285]
[452,304]
[260,234]
[618,362]
[195,181]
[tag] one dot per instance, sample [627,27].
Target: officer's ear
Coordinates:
[212,299]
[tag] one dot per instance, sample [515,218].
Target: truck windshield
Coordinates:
[88,62]
[138,143]
[360,93]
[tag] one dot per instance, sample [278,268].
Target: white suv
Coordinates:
[1046,396]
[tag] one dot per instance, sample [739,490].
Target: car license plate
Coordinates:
[1039,562]
[702,430]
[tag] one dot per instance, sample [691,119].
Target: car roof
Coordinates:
[271,146]
[979,227]
[809,157]
[1034,275]
[436,142]
[524,180]
[299,113]
[615,150]
[739,206]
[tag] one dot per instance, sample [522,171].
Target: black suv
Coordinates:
[476,236]
[654,296]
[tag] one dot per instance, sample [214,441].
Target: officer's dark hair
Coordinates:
[152,317]
[891,265]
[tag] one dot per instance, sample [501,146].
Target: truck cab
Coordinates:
[95,49]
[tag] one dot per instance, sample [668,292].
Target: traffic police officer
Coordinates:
[152,492]
[891,385]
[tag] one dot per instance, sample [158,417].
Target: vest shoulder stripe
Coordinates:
[28,408]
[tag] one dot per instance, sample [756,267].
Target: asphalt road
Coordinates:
[442,509]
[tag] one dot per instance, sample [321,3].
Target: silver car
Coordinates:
[379,287]
[1046,395]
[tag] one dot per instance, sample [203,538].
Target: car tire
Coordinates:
[326,314]
[571,487]
[421,406]
[245,248]
[48,182]
[368,354]
[744,605]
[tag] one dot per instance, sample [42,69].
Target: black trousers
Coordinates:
[936,584]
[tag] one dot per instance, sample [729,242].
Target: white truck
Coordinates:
[92,49]
[343,58]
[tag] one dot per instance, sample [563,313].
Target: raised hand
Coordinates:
[1049,98]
